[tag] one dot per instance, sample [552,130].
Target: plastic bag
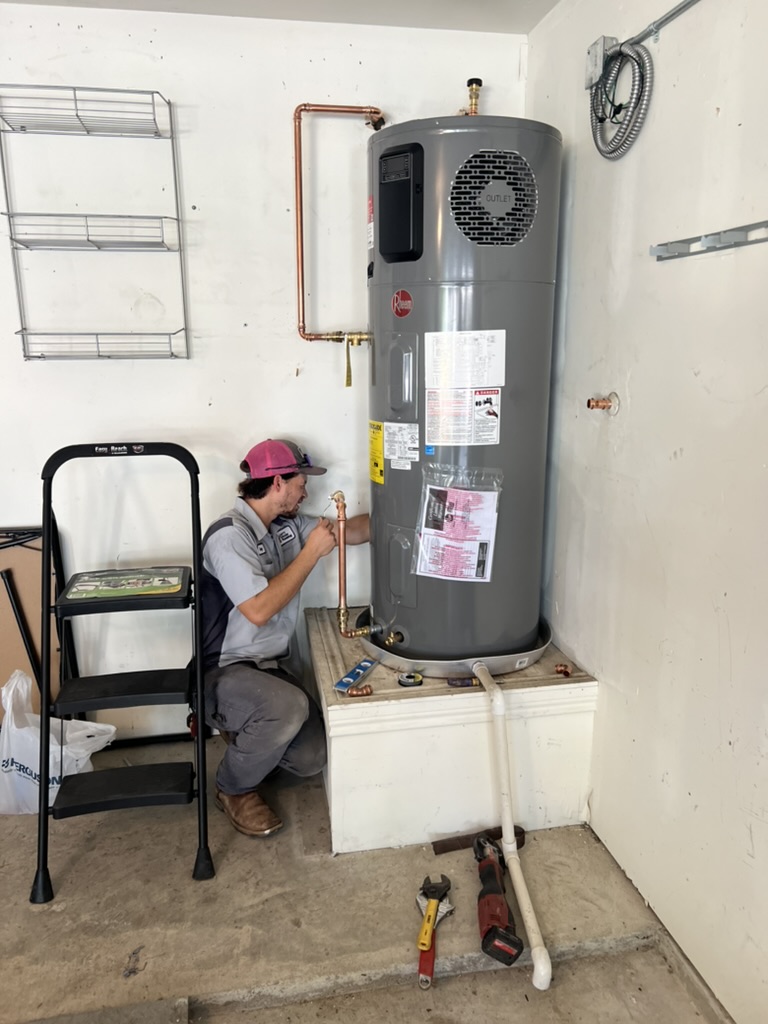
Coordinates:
[20,749]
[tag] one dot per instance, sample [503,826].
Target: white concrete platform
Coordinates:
[413,765]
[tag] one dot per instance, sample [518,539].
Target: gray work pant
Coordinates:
[273,721]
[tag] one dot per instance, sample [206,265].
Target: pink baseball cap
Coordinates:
[273,458]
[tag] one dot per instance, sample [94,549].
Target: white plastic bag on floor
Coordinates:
[20,749]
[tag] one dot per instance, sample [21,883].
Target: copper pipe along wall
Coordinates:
[376,119]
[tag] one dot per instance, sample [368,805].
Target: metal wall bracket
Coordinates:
[733,238]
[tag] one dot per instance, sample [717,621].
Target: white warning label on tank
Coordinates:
[463,416]
[401,443]
[464,375]
[464,359]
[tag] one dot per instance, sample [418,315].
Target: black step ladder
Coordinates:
[108,591]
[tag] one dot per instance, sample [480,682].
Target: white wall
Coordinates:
[657,558]
[234,84]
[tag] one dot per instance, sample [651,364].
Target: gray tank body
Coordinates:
[463,221]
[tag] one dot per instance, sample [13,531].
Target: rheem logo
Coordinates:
[402,303]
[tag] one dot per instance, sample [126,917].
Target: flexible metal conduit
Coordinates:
[375,118]
[636,107]
[542,965]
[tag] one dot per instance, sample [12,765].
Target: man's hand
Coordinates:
[322,540]
[260,608]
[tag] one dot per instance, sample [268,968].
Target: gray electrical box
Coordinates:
[596,59]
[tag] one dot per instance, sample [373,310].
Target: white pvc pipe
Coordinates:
[542,965]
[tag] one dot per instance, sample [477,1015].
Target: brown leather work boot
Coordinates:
[248,813]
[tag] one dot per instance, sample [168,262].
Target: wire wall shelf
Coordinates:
[57,110]
[93,231]
[94,114]
[104,345]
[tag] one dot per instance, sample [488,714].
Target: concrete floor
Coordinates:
[130,937]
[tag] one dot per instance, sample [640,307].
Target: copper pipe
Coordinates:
[342,612]
[376,119]
[610,404]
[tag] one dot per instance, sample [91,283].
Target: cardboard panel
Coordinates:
[24,564]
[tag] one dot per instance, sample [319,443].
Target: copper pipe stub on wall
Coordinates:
[609,404]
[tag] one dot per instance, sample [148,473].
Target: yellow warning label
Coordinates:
[376,451]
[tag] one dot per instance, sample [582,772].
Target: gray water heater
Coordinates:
[462,236]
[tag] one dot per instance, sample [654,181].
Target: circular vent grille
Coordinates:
[494,198]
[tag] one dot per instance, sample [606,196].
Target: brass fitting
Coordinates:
[352,634]
[474,85]
[338,336]
[358,337]
[393,638]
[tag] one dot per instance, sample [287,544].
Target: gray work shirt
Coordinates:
[240,556]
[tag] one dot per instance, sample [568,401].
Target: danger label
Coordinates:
[402,302]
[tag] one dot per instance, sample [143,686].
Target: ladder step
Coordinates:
[125,590]
[141,785]
[123,690]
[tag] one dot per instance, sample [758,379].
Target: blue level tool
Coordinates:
[353,677]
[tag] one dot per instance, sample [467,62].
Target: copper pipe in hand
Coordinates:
[342,613]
